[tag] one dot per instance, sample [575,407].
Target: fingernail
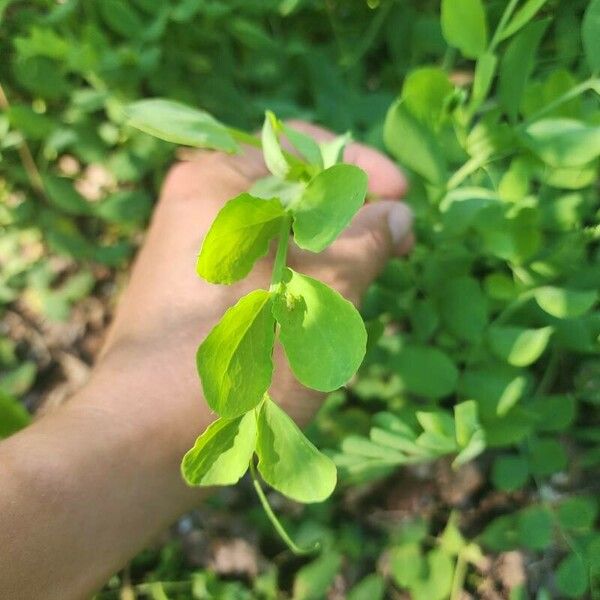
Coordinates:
[400,219]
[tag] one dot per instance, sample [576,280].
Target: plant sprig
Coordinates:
[322,333]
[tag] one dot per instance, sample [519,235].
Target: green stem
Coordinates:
[282,248]
[508,12]
[585,86]
[252,140]
[25,155]
[244,138]
[275,521]
[458,581]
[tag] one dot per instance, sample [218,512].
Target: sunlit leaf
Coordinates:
[238,237]
[234,361]
[327,205]
[221,455]
[564,143]
[180,124]
[564,303]
[288,461]
[323,335]
[464,26]
[519,346]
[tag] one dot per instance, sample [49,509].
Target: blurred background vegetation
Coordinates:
[77,187]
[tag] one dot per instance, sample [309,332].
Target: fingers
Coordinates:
[379,231]
[385,180]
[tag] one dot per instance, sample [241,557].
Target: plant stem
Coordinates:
[282,248]
[275,521]
[506,15]
[585,86]
[244,138]
[25,155]
[458,581]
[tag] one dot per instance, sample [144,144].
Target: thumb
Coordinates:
[380,230]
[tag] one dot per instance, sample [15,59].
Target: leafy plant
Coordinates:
[322,334]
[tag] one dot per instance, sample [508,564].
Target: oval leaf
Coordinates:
[519,347]
[516,66]
[425,371]
[590,32]
[234,361]
[180,124]
[413,144]
[323,335]
[288,461]
[464,26]
[221,455]
[272,152]
[327,205]
[564,142]
[563,303]
[238,237]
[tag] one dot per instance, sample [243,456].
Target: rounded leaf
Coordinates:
[327,206]
[563,303]
[288,461]
[518,346]
[238,237]
[234,361]
[323,335]
[221,455]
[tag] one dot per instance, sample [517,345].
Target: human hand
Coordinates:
[166,310]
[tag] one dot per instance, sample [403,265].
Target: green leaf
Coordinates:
[413,144]
[65,197]
[332,152]
[463,308]
[221,455]
[546,457]
[534,527]
[572,577]
[288,461]
[518,346]
[323,335]
[464,26]
[327,206]
[121,19]
[564,143]
[510,473]
[578,513]
[466,421]
[517,65]
[438,583]
[522,17]
[234,361]
[314,579]
[179,124]
[564,303]
[407,564]
[425,93]
[13,415]
[371,587]
[425,371]
[306,146]
[238,237]
[590,32]
[274,157]
[485,70]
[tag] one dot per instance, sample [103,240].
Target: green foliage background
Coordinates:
[483,345]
